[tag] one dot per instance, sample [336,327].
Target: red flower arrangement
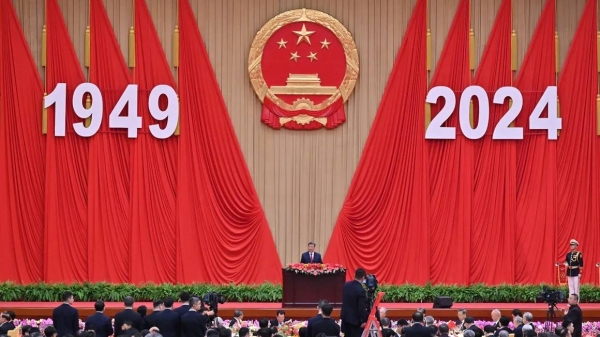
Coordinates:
[315,268]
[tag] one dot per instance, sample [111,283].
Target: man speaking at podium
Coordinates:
[311,256]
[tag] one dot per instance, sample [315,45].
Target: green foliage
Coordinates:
[267,292]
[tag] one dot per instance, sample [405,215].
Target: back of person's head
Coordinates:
[489,329]
[36,333]
[263,323]
[517,313]
[321,335]
[244,332]
[66,296]
[531,333]
[273,330]
[422,310]
[444,329]
[429,320]
[50,331]
[184,296]
[322,303]
[212,333]
[11,314]
[471,333]
[168,301]
[470,320]
[543,334]
[327,309]
[434,330]
[34,329]
[144,332]
[142,310]
[501,333]
[359,274]
[224,333]
[385,322]
[264,332]
[417,317]
[128,301]
[301,332]
[99,305]
[402,322]
[504,321]
[25,329]
[157,303]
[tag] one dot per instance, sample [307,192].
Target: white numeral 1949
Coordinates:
[503,129]
[131,121]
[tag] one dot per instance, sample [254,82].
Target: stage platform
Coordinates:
[480,311]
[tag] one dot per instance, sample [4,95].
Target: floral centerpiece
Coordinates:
[315,268]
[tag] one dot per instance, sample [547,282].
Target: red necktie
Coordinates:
[311,257]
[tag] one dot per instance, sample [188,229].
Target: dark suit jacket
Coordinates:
[182,310]
[505,328]
[128,315]
[100,323]
[66,320]
[193,324]
[417,330]
[478,332]
[387,332]
[129,332]
[311,323]
[150,320]
[6,327]
[574,315]
[327,326]
[354,304]
[232,322]
[306,258]
[168,323]
[519,331]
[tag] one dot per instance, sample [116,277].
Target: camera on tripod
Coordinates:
[213,300]
[551,296]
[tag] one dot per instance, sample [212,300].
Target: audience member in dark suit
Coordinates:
[462,314]
[168,320]
[99,322]
[127,329]
[238,317]
[489,330]
[327,326]
[193,324]
[417,329]
[574,315]
[245,332]
[470,325]
[528,320]
[315,319]
[128,315]
[311,256]
[6,323]
[496,314]
[518,322]
[65,317]
[503,325]
[279,320]
[385,328]
[444,330]
[150,320]
[184,297]
[354,305]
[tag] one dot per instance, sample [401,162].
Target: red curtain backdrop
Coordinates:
[223,232]
[495,194]
[385,211]
[451,165]
[577,148]
[536,161]
[109,225]
[153,166]
[66,164]
[22,153]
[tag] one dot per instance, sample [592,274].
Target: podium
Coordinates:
[305,291]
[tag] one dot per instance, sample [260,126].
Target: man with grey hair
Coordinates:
[382,313]
[429,320]
[462,314]
[128,314]
[238,316]
[518,323]
[528,320]
[496,314]
[470,333]
[503,333]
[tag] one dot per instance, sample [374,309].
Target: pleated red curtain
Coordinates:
[495,192]
[153,166]
[578,147]
[451,165]
[22,155]
[223,232]
[109,207]
[536,161]
[388,194]
[66,164]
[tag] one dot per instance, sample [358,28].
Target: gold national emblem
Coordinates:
[303,66]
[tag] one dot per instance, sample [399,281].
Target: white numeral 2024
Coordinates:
[132,122]
[503,130]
